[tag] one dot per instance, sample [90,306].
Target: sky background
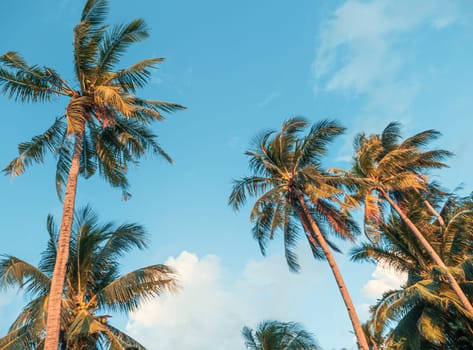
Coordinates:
[241,67]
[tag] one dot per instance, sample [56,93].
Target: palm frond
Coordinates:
[19,273]
[34,150]
[117,41]
[134,77]
[94,12]
[129,291]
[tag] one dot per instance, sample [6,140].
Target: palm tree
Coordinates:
[94,286]
[425,311]
[388,169]
[290,184]
[276,335]
[106,126]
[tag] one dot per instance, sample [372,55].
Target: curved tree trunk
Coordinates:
[312,230]
[433,254]
[433,211]
[53,323]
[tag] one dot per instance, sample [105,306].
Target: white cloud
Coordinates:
[358,45]
[214,305]
[365,49]
[384,279]
[193,317]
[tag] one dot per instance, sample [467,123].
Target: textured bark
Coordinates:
[316,237]
[433,254]
[53,323]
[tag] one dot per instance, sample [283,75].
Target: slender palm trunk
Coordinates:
[434,212]
[433,254]
[310,226]
[53,323]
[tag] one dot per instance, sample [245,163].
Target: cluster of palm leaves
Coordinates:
[105,129]
[94,286]
[276,335]
[409,222]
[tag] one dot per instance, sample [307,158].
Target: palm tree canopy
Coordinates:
[287,164]
[385,162]
[94,284]
[103,111]
[276,335]
[425,311]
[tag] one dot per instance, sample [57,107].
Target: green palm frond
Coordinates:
[15,272]
[117,41]
[93,284]
[249,338]
[25,83]
[129,291]
[124,338]
[315,144]
[34,150]
[19,339]
[287,163]
[46,75]
[276,335]
[64,157]
[252,186]
[134,77]
[95,12]
[48,256]
[156,106]
[291,233]
[391,135]
[32,316]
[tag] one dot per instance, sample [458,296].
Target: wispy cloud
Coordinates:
[268,99]
[358,49]
[365,51]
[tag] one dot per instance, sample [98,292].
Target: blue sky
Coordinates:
[241,67]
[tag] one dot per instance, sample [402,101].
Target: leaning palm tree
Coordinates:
[425,311]
[104,129]
[291,185]
[276,335]
[94,286]
[387,170]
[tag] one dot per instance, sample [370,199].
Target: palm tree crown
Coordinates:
[94,286]
[425,312]
[290,184]
[104,114]
[276,335]
[392,166]
[287,165]
[106,126]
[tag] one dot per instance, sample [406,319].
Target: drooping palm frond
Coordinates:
[35,150]
[94,284]
[425,311]
[285,163]
[19,339]
[15,272]
[276,335]
[129,291]
[95,12]
[25,83]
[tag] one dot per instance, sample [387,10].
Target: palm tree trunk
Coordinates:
[310,226]
[53,323]
[433,211]
[433,254]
